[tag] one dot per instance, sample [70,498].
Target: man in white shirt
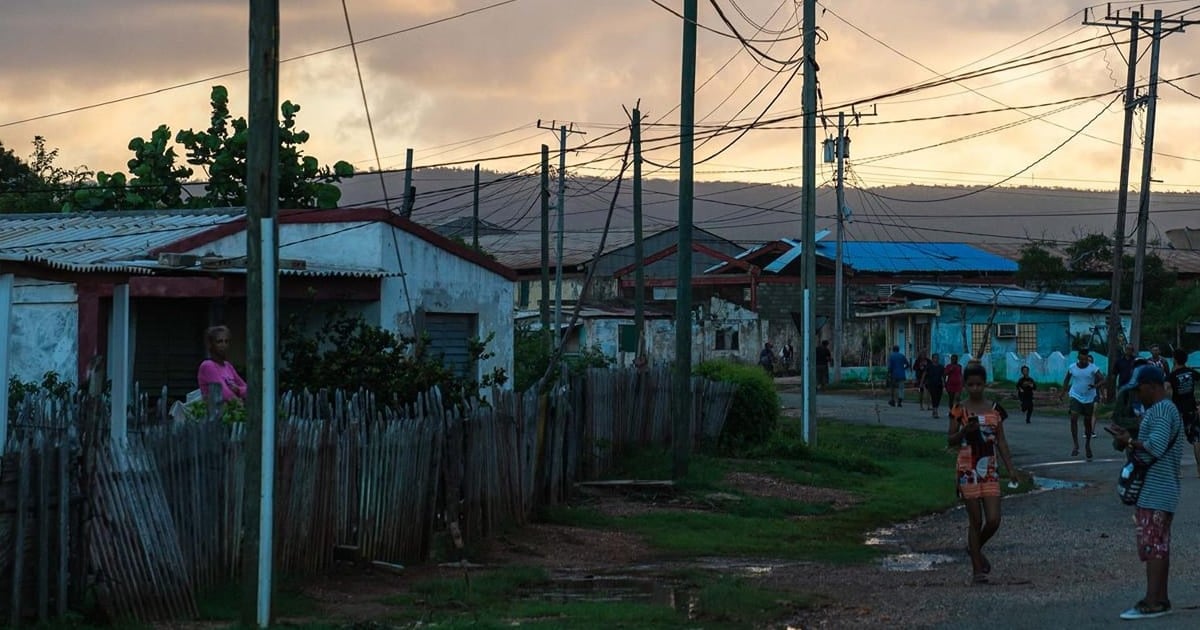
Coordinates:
[1083,377]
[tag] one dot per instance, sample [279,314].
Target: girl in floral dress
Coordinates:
[977,429]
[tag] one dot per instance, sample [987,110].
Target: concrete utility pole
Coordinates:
[841,147]
[639,252]
[410,194]
[1161,28]
[262,254]
[809,235]
[681,431]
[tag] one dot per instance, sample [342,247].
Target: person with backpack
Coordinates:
[1182,381]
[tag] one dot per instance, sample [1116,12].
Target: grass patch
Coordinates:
[222,602]
[897,474]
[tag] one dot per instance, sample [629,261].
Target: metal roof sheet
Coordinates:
[887,257]
[94,241]
[524,250]
[1006,296]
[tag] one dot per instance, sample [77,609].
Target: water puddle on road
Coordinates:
[648,589]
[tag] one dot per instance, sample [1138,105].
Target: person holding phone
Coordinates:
[977,429]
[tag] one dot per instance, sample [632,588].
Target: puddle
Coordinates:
[572,588]
[1042,483]
[909,562]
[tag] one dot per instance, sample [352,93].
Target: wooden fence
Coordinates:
[157,517]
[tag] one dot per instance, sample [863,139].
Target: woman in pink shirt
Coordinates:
[217,368]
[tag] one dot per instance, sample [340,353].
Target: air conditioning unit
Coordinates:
[1006,331]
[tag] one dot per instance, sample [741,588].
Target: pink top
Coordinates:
[954,379]
[232,385]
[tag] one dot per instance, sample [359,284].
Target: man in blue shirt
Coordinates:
[897,366]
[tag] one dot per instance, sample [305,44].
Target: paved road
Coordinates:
[1064,558]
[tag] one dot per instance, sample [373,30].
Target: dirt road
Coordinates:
[1063,558]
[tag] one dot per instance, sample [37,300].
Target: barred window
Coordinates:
[979,336]
[1026,339]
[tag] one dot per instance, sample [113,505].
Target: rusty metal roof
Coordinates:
[99,241]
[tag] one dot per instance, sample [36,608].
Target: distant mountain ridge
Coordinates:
[752,213]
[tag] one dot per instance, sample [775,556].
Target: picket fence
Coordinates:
[146,523]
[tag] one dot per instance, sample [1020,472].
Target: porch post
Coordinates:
[6,290]
[119,370]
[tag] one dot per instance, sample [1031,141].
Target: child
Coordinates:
[1025,388]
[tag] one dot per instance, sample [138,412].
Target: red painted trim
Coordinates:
[696,247]
[175,287]
[345,215]
[649,260]
[88,324]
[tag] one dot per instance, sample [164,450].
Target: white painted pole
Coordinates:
[270,277]
[809,372]
[119,370]
[6,294]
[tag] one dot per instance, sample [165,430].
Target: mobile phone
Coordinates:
[1110,430]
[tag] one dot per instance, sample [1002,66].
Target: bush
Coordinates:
[531,351]
[754,415]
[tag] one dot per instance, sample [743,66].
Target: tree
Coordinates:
[156,181]
[39,184]
[1039,269]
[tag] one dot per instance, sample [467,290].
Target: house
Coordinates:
[171,274]
[871,269]
[953,319]
[720,330]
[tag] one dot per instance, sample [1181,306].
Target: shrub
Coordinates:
[754,415]
[531,351]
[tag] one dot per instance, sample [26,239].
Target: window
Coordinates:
[449,340]
[523,295]
[1026,339]
[627,338]
[727,339]
[664,293]
[978,337]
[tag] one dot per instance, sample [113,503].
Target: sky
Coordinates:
[473,87]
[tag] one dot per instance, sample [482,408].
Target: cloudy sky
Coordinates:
[473,87]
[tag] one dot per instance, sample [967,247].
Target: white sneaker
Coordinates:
[1142,610]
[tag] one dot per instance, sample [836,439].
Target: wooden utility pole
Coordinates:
[809,232]
[410,196]
[681,432]
[475,212]
[1143,221]
[544,301]
[262,203]
[1118,259]
[639,252]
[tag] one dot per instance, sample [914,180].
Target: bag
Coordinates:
[1133,475]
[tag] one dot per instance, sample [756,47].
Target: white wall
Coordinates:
[44,335]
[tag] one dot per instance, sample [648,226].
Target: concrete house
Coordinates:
[139,288]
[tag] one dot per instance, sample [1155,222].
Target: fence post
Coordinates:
[6,290]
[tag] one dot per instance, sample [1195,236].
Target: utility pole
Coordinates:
[1143,220]
[563,131]
[1118,259]
[1161,28]
[809,234]
[639,252]
[475,212]
[410,193]
[262,253]
[544,299]
[841,150]
[681,431]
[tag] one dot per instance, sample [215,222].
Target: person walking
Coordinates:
[788,354]
[954,381]
[918,367]
[1182,381]
[1025,388]
[1081,381]
[897,365]
[1158,360]
[1159,446]
[977,430]
[934,376]
[824,358]
[1124,365]
[766,359]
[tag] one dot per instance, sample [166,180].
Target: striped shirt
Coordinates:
[1160,423]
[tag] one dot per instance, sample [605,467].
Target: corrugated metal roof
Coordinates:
[311,271]
[887,257]
[524,250]
[95,241]
[1006,296]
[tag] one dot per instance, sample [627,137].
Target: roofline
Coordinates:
[344,215]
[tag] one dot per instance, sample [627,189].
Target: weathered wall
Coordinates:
[44,331]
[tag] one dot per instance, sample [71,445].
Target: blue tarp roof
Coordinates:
[888,257]
[1008,296]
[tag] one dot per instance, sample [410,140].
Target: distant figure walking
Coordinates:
[918,367]
[1183,381]
[788,354]
[935,382]
[824,358]
[766,359]
[897,366]
[1025,388]
[954,380]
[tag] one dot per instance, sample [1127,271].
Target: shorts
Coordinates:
[1191,427]
[1153,534]
[1082,409]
